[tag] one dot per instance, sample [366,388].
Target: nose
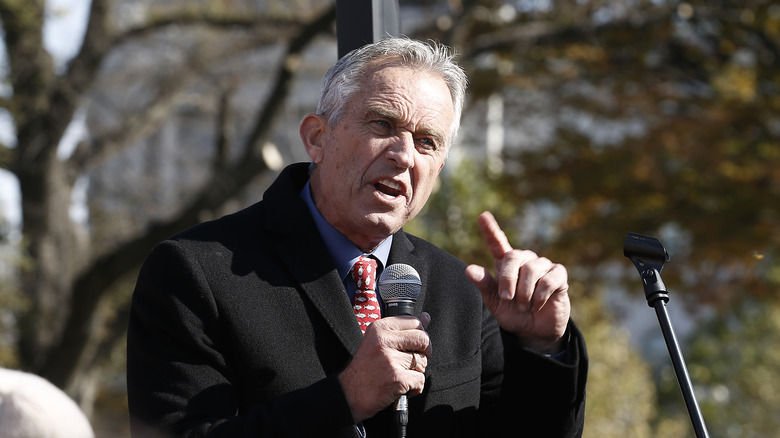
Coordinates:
[402,151]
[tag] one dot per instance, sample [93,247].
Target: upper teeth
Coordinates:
[391,184]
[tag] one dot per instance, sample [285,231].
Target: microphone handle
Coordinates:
[401,414]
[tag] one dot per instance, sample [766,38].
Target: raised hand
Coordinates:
[528,295]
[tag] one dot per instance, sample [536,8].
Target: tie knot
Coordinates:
[364,273]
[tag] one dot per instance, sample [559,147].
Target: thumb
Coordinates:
[486,284]
[481,278]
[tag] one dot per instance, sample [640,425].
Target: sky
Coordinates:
[62,36]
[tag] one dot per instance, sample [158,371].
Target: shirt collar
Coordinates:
[344,252]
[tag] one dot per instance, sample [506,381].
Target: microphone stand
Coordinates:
[649,256]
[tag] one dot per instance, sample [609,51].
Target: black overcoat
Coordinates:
[240,326]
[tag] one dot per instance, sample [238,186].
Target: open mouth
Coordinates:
[389,188]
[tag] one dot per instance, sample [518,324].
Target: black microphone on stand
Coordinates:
[649,256]
[399,286]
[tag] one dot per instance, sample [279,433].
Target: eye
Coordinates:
[427,144]
[382,124]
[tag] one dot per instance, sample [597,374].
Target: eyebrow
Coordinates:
[382,113]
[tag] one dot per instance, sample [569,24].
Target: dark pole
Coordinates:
[360,22]
[649,256]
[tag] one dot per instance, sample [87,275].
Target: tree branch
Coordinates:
[83,68]
[143,123]
[288,67]
[103,274]
[30,76]
[271,29]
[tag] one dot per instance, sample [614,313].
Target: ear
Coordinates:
[312,130]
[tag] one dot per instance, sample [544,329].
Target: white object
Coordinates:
[31,407]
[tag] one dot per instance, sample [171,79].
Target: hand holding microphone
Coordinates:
[392,358]
[399,286]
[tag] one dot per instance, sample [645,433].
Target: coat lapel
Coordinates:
[325,290]
[301,248]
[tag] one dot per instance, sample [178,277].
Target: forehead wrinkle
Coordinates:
[392,105]
[394,101]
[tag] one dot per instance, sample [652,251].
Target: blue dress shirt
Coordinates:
[344,252]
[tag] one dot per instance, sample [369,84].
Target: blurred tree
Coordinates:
[661,119]
[586,119]
[739,391]
[621,392]
[72,271]
[653,117]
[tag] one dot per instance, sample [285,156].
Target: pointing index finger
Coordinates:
[494,236]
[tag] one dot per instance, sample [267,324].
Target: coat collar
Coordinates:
[302,250]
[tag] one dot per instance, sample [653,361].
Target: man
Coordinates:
[244,326]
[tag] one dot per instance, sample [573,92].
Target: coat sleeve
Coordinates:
[539,396]
[179,381]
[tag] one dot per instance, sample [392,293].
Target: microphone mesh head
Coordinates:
[399,282]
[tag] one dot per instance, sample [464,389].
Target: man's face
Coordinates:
[377,166]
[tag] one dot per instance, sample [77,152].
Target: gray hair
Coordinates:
[344,79]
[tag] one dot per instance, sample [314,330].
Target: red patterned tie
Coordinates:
[365,304]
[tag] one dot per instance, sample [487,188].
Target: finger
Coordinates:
[494,236]
[528,283]
[553,281]
[425,320]
[402,322]
[405,361]
[405,333]
[413,366]
[512,275]
[421,343]
[409,373]
[419,362]
[415,383]
[486,284]
[481,277]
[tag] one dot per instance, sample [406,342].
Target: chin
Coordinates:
[385,224]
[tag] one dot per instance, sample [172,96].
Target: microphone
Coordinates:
[399,286]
